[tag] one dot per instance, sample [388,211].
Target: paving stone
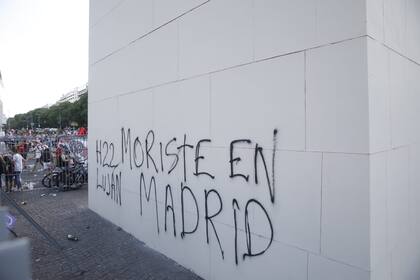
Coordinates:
[114,255]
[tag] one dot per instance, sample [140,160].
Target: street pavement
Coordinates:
[103,250]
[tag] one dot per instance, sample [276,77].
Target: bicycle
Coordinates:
[66,178]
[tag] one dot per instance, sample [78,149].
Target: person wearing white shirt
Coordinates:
[38,153]
[18,160]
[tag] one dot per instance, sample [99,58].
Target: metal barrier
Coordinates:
[78,145]
[9,142]
[75,143]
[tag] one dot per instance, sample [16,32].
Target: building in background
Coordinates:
[3,118]
[73,95]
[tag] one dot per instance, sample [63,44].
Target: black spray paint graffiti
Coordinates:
[249,252]
[107,179]
[150,158]
[110,183]
[147,194]
[168,190]
[183,189]
[209,218]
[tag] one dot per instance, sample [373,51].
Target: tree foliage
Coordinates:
[59,115]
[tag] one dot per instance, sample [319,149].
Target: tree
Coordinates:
[63,114]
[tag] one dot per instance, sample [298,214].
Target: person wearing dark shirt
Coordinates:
[9,172]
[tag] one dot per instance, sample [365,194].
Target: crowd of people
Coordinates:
[45,133]
[11,166]
[43,150]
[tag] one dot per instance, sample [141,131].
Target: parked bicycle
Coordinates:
[66,178]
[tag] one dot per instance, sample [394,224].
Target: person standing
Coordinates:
[21,148]
[46,157]
[25,149]
[38,153]
[10,171]
[2,169]
[18,160]
[58,155]
[82,131]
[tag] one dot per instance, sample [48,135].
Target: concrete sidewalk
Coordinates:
[103,250]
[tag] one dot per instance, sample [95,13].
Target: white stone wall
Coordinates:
[394,103]
[337,80]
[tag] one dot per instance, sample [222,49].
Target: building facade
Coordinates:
[74,95]
[270,139]
[3,117]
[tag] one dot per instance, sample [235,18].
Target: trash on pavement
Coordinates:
[72,237]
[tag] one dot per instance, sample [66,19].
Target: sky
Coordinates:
[43,51]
